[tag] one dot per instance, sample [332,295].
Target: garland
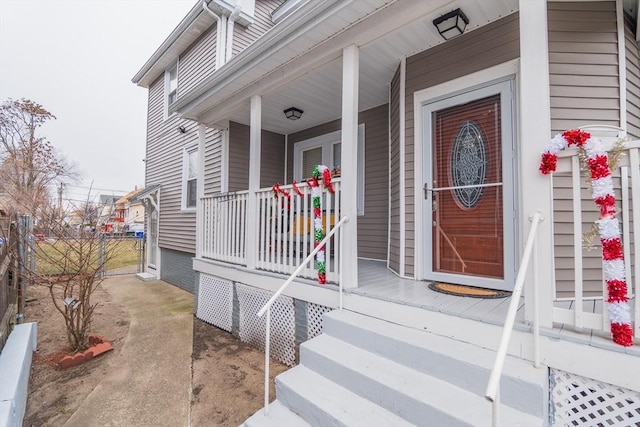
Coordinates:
[597,160]
[316,192]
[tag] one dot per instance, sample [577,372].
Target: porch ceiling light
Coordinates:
[293,113]
[451,24]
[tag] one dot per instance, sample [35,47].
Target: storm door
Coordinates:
[469,222]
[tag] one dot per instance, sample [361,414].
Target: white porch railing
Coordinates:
[224,224]
[584,310]
[493,387]
[267,307]
[286,234]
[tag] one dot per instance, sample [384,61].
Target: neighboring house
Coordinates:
[110,218]
[435,146]
[130,210]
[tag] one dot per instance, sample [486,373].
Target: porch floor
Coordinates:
[376,281]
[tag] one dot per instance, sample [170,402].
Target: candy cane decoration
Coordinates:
[320,171]
[604,196]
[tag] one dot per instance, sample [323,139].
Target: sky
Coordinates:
[76,58]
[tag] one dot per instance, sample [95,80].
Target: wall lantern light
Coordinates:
[451,24]
[293,113]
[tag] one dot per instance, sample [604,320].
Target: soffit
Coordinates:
[313,82]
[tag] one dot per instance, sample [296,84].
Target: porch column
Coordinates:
[535,122]
[255,142]
[349,165]
[202,129]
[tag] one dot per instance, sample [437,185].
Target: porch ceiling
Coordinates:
[307,71]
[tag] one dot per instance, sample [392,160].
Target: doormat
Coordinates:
[467,291]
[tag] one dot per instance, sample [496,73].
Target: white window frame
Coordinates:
[186,151]
[167,87]
[326,141]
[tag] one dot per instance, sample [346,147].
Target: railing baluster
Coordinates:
[577,239]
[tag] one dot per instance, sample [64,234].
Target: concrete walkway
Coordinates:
[150,378]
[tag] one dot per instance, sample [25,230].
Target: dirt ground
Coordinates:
[227,382]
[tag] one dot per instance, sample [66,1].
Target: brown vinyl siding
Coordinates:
[244,36]
[373,225]
[633,83]
[394,152]
[198,62]
[212,162]
[484,47]
[583,64]
[163,165]
[271,157]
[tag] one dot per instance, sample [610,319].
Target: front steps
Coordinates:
[364,371]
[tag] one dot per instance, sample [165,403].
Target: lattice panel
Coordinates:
[580,401]
[315,313]
[283,325]
[215,301]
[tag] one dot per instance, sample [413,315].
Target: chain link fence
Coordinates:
[122,254]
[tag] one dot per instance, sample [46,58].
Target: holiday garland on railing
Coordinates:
[597,160]
[320,171]
[321,174]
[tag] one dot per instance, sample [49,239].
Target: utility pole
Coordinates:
[60,201]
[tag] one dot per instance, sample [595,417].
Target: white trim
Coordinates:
[186,151]
[432,94]
[167,88]
[389,182]
[622,65]
[224,161]
[286,157]
[402,202]
[255,146]
[202,139]
[326,141]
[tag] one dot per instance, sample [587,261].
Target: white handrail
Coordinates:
[267,307]
[492,393]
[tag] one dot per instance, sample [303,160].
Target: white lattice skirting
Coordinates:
[283,327]
[314,319]
[580,401]
[215,302]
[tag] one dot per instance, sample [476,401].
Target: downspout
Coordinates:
[220,35]
[230,26]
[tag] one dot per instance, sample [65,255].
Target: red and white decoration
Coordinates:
[603,195]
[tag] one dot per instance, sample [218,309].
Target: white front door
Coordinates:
[469,204]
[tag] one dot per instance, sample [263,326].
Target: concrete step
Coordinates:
[412,395]
[321,402]
[278,416]
[464,365]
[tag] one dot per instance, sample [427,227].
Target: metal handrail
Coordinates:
[492,392]
[267,307]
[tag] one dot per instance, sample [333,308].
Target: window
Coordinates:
[326,150]
[190,177]
[170,88]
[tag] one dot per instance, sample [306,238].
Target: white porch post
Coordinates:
[200,189]
[535,131]
[349,166]
[255,133]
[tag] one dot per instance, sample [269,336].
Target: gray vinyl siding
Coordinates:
[492,44]
[163,165]
[244,36]
[584,90]
[394,152]
[374,224]
[198,62]
[212,162]
[633,83]
[177,269]
[271,157]
[583,64]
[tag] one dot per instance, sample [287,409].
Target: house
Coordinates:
[130,210]
[431,117]
[110,218]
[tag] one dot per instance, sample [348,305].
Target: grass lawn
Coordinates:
[50,256]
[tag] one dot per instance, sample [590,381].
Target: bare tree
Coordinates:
[29,164]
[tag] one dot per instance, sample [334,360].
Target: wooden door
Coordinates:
[467,226]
